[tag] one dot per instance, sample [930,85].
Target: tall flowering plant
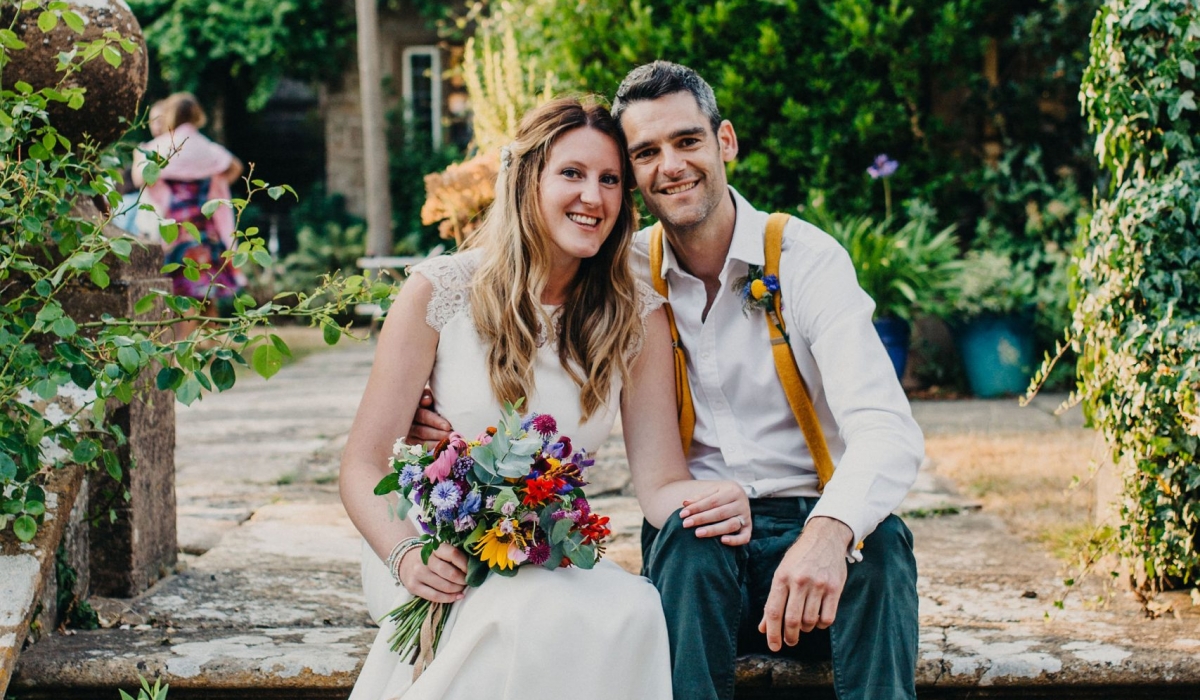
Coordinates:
[511,497]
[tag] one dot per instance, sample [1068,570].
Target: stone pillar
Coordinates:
[374,132]
[137,547]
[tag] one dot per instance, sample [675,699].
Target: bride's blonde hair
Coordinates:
[599,322]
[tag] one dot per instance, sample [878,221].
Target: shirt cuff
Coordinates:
[854,551]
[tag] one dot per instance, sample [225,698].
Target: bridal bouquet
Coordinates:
[511,497]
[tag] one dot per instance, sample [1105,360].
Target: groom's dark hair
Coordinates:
[651,81]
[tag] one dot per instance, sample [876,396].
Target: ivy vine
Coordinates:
[1137,321]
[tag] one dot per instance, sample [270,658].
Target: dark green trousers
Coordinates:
[714,597]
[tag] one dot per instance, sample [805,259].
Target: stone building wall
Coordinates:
[340,102]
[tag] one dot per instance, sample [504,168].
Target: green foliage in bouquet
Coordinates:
[1137,323]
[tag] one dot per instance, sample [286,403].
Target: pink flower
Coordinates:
[458,443]
[484,438]
[517,554]
[440,468]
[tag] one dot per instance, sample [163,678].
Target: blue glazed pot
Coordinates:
[997,352]
[895,334]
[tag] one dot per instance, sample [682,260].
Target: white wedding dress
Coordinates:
[541,635]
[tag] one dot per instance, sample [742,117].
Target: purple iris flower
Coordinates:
[882,167]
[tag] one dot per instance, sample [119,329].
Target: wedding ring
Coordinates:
[741,521]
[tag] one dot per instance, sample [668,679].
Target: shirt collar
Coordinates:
[747,243]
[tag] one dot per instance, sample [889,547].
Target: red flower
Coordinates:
[594,528]
[539,490]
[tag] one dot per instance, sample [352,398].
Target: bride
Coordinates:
[543,306]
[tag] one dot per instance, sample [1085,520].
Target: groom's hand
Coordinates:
[427,425]
[808,583]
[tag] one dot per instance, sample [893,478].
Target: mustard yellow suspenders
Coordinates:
[785,362]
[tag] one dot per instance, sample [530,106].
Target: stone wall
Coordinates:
[341,113]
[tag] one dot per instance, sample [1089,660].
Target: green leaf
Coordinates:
[280,345]
[210,207]
[151,172]
[85,452]
[331,334]
[81,374]
[111,56]
[388,484]
[168,378]
[275,192]
[477,571]
[121,246]
[112,466]
[581,555]
[222,374]
[562,528]
[35,508]
[64,327]
[188,392]
[266,360]
[145,304]
[25,528]
[99,275]
[262,257]
[8,468]
[47,21]
[169,232]
[43,288]
[72,20]
[129,358]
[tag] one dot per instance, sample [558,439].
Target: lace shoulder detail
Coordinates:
[450,276]
[648,302]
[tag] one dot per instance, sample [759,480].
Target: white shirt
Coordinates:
[745,429]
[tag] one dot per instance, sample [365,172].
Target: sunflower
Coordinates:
[495,547]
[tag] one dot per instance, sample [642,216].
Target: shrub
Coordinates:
[1137,324]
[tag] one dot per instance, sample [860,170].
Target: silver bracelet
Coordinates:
[393,561]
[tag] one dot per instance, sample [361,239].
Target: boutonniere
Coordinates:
[757,290]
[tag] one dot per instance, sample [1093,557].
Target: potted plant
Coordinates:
[906,270]
[993,322]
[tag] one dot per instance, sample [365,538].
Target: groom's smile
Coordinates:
[678,160]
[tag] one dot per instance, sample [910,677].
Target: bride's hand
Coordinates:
[442,581]
[724,513]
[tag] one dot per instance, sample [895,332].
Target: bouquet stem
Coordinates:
[419,625]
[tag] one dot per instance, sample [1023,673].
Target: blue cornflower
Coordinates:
[882,167]
[410,474]
[445,495]
[772,283]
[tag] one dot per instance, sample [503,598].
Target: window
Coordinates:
[422,85]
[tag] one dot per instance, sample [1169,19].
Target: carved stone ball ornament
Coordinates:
[113,94]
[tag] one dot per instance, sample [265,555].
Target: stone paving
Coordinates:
[267,600]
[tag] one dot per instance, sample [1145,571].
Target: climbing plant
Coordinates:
[1137,321]
[62,373]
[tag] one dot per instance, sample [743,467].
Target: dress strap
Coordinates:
[450,276]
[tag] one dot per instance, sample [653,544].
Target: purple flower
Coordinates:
[462,467]
[410,474]
[882,167]
[445,496]
[772,283]
[463,523]
[545,425]
[538,554]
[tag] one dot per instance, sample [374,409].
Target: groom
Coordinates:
[803,585]
[791,590]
